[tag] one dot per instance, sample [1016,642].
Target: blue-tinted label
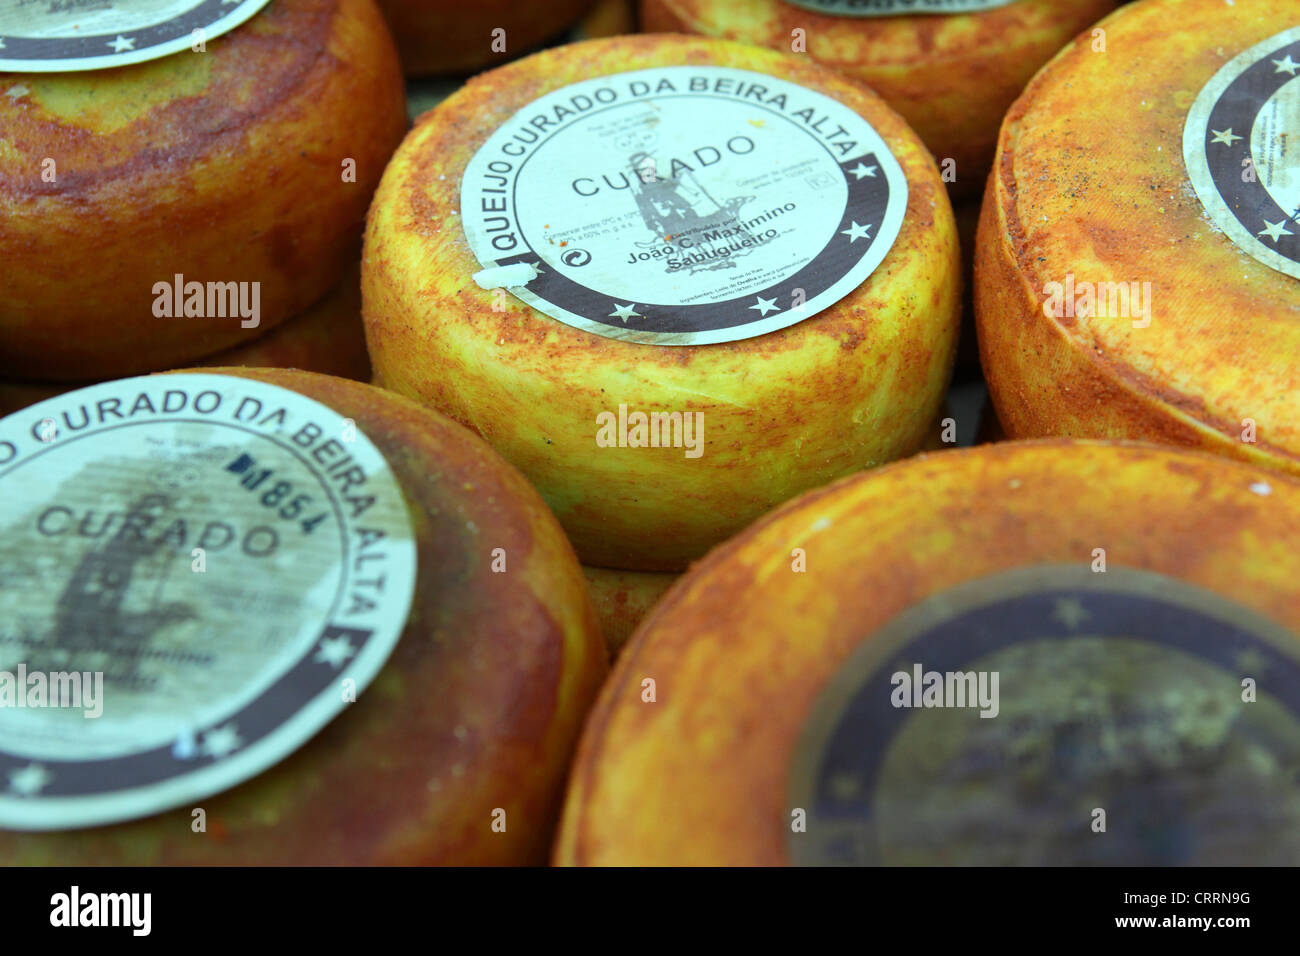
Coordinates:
[1056,716]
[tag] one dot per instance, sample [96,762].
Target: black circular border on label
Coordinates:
[864,727]
[1236,109]
[98,46]
[258,719]
[868,197]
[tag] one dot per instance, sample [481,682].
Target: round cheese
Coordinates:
[327,338]
[457,750]
[951,76]
[938,663]
[242,172]
[622,599]
[606,18]
[451,36]
[1148,285]
[738,295]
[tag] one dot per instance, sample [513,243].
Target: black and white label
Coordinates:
[216,566]
[1241,144]
[51,36]
[896,8]
[682,205]
[1056,716]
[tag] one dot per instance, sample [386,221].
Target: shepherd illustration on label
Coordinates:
[1241,145]
[91,620]
[212,669]
[657,237]
[682,211]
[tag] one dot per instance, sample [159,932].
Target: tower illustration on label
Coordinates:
[90,618]
[681,210]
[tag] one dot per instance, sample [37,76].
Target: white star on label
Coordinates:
[856,232]
[625,312]
[1275,230]
[1226,136]
[184,747]
[1070,613]
[765,306]
[861,170]
[334,651]
[1287,65]
[28,781]
[220,742]
[121,44]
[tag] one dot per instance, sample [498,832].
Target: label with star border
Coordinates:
[1241,145]
[896,8]
[234,559]
[683,205]
[1119,691]
[56,36]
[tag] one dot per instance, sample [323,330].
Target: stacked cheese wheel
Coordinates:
[250,164]
[951,76]
[622,599]
[450,36]
[856,384]
[1117,681]
[1148,286]
[428,765]
[327,337]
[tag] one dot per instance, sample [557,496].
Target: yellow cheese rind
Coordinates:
[1090,183]
[622,599]
[856,385]
[742,647]
[250,162]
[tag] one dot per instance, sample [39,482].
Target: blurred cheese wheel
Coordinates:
[1120,291]
[252,162]
[953,678]
[555,385]
[327,338]
[967,215]
[606,18]
[951,76]
[455,754]
[451,36]
[622,599]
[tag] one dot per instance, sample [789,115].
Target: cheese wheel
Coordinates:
[622,599]
[1111,300]
[327,338]
[606,18]
[1133,652]
[950,76]
[450,36]
[855,384]
[473,717]
[248,164]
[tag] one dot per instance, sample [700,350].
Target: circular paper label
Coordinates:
[682,205]
[1054,716]
[51,36]
[896,8]
[199,572]
[1241,144]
